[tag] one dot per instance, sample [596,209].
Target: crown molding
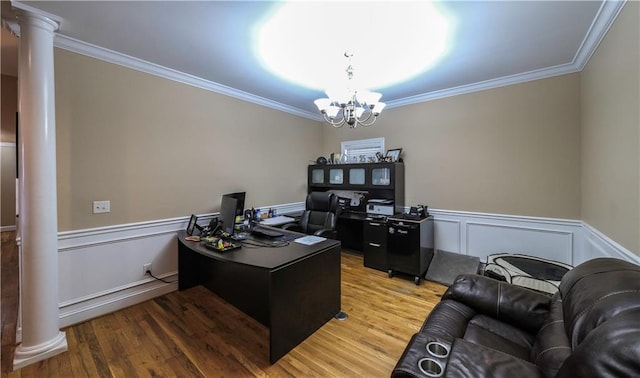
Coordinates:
[53,19]
[97,52]
[606,16]
[487,84]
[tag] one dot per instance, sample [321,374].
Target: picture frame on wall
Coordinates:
[393,155]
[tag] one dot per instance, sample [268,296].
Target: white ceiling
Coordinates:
[210,45]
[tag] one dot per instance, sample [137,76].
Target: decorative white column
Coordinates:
[41,336]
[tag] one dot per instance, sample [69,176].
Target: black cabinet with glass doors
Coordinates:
[370,180]
[376,180]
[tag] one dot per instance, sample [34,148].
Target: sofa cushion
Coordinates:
[511,304]
[467,359]
[500,336]
[551,346]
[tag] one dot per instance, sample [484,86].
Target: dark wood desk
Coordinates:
[292,290]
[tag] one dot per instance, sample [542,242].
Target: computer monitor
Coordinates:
[228,208]
[240,205]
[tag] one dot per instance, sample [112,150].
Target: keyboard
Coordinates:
[265,232]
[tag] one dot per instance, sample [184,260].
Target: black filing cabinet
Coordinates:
[375,244]
[409,246]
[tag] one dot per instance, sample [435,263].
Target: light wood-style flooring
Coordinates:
[193,333]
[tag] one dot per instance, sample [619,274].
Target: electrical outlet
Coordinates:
[146,268]
[101,207]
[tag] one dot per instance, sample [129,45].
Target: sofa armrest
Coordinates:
[467,359]
[509,303]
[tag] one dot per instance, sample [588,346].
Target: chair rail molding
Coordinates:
[101,268]
[565,240]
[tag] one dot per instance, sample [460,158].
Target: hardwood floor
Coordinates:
[193,333]
[9,296]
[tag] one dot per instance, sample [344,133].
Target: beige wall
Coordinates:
[159,149]
[8,186]
[511,150]
[9,107]
[611,133]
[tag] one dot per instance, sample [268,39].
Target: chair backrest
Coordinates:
[320,212]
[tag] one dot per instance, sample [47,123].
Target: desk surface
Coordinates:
[262,256]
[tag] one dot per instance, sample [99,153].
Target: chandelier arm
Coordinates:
[369,113]
[364,121]
[369,123]
[335,124]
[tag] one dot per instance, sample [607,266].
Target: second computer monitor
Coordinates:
[240,205]
[228,208]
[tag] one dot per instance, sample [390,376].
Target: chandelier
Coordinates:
[350,105]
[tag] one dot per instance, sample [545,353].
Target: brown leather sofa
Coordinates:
[488,328]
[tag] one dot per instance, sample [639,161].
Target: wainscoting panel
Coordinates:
[448,235]
[484,239]
[596,244]
[481,234]
[101,269]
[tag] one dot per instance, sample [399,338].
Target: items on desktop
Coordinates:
[229,227]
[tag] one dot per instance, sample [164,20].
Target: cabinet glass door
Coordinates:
[317,176]
[381,176]
[356,176]
[336,176]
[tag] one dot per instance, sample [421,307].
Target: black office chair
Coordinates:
[320,216]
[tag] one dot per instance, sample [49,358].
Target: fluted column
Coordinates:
[41,336]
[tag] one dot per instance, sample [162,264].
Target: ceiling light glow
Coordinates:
[391,42]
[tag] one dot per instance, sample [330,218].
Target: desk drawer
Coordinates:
[375,256]
[375,245]
[375,232]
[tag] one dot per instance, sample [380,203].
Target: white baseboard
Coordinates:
[100,304]
[7,228]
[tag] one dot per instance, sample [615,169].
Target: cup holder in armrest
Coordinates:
[425,355]
[437,349]
[430,367]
